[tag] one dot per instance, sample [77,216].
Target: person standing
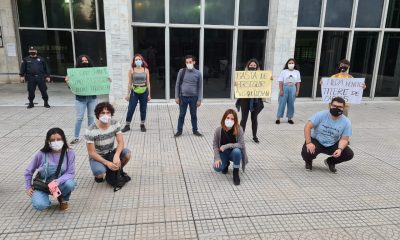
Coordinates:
[289,88]
[83,102]
[35,71]
[138,91]
[188,92]
[250,105]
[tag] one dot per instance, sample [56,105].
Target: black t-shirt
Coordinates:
[227,137]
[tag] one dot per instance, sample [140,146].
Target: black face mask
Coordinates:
[84,64]
[32,54]
[252,68]
[343,69]
[336,112]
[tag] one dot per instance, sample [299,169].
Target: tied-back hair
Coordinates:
[236,126]
[79,61]
[46,148]
[296,66]
[250,61]
[145,65]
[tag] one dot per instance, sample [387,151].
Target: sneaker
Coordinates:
[290,121]
[236,178]
[142,128]
[46,105]
[331,166]
[198,134]
[98,180]
[76,140]
[126,128]
[177,134]
[30,105]
[255,139]
[308,165]
[278,121]
[225,170]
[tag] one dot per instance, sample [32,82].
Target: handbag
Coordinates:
[38,184]
[118,178]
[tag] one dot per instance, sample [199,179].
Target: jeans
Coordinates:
[40,200]
[98,168]
[346,155]
[84,102]
[289,96]
[133,101]
[234,155]
[183,104]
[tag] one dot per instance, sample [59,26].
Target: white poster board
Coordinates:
[350,89]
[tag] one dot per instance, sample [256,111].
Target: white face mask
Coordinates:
[291,66]
[105,118]
[56,145]
[229,123]
[189,66]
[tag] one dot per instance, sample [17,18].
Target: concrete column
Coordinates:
[281,37]
[9,66]
[117,18]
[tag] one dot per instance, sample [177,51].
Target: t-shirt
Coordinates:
[103,139]
[227,137]
[341,75]
[328,131]
[288,76]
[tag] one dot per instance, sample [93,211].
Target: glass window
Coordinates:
[183,42]
[100,6]
[84,12]
[393,15]
[151,11]
[150,42]
[305,53]
[389,68]
[251,44]
[309,13]
[217,63]
[334,46]
[57,12]
[363,57]
[30,13]
[92,44]
[253,13]
[184,11]
[54,46]
[369,13]
[219,12]
[338,13]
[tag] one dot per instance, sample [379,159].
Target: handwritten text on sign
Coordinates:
[89,81]
[253,84]
[350,89]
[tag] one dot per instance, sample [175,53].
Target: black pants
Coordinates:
[347,153]
[39,81]
[245,107]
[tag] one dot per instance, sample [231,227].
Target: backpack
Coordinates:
[118,178]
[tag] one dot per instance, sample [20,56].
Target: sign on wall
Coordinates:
[89,81]
[253,84]
[350,89]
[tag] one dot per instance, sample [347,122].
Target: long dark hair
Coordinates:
[51,132]
[250,61]
[79,61]
[296,66]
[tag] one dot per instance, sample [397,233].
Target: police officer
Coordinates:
[35,71]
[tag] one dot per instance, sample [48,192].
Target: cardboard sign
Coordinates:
[89,81]
[350,89]
[253,84]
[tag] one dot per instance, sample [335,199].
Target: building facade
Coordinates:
[222,34]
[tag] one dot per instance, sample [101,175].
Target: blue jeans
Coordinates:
[289,96]
[80,106]
[234,155]
[98,168]
[183,104]
[133,101]
[40,200]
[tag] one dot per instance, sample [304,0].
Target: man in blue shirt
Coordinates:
[328,132]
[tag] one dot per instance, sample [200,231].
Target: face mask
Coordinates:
[32,54]
[85,64]
[189,66]
[252,68]
[138,63]
[336,112]
[105,118]
[291,66]
[229,123]
[56,145]
[343,69]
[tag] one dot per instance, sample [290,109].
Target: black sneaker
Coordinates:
[331,166]
[177,134]
[308,165]
[290,121]
[98,180]
[126,128]
[76,140]
[46,105]
[225,170]
[142,128]
[30,105]
[236,178]
[278,121]
[255,139]
[198,134]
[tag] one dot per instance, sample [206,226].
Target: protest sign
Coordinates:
[350,89]
[89,81]
[253,84]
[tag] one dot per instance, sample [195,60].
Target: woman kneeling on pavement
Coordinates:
[229,145]
[55,164]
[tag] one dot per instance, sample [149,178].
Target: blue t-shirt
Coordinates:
[328,131]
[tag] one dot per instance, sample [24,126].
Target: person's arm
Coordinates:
[307,136]
[178,77]
[120,146]
[148,84]
[200,89]
[22,71]
[280,80]
[70,171]
[297,88]
[46,69]
[94,155]
[217,158]
[35,164]
[239,144]
[129,85]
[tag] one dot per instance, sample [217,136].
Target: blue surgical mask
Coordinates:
[138,63]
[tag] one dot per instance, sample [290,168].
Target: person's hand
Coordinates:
[148,98]
[109,79]
[297,93]
[117,161]
[127,97]
[364,86]
[280,93]
[337,153]
[112,166]
[177,100]
[48,79]
[22,79]
[221,148]
[66,79]
[310,148]
[321,82]
[217,164]
[29,192]
[272,79]
[198,104]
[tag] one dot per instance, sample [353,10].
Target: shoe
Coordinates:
[142,128]
[76,140]
[46,105]
[177,134]
[30,105]
[331,166]
[290,121]
[63,204]
[308,165]
[255,139]
[198,134]
[98,180]
[236,178]
[225,170]
[126,128]
[278,121]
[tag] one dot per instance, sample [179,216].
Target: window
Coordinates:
[151,11]
[251,44]
[219,12]
[92,44]
[338,13]
[393,15]
[184,11]
[253,13]
[100,6]
[57,12]
[369,13]
[84,12]
[309,13]
[30,13]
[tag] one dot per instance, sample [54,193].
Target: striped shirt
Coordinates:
[103,139]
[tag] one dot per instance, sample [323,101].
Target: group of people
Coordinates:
[326,132]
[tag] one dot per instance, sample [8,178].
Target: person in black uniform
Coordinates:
[35,71]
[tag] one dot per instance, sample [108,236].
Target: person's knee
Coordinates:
[69,185]
[236,152]
[40,205]
[349,154]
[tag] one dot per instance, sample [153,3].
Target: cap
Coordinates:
[32,48]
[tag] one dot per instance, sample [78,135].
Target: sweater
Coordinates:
[192,84]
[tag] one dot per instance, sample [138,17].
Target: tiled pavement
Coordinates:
[175,194]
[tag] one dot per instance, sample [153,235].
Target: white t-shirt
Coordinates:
[288,76]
